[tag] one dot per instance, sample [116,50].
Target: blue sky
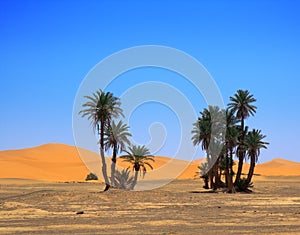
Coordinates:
[48,47]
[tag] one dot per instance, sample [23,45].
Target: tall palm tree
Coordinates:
[231,141]
[201,133]
[116,137]
[100,108]
[254,142]
[242,104]
[216,149]
[207,130]
[139,157]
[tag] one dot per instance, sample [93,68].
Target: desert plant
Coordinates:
[243,186]
[100,108]
[123,180]
[203,173]
[116,137]
[254,142]
[139,157]
[91,176]
[207,130]
[241,105]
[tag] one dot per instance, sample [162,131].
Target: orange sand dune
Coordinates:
[53,162]
[278,167]
[275,167]
[59,162]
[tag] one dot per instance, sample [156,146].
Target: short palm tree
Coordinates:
[139,157]
[100,108]
[203,169]
[123,180]
[242,104]
[116,137]
[254,142]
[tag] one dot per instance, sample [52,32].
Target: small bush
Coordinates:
[243,186]
[91,176]
[123,180]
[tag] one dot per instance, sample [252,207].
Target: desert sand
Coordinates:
[60,163]
[35,207]
[42,191]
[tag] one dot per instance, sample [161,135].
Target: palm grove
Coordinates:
[102,109]
[223,135]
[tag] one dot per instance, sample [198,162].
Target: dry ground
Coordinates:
[29,207]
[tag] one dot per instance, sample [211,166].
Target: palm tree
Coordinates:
[203,169]
[207,130]
[123,180]
[201,133]
[241,104]
[116,137]
[100,108]
[216,149]
[254,142]
[231,141]
[139,157]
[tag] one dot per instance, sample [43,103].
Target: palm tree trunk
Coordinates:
[226,172]
[251,170]
[227,176]
[205,179]
[231,163]
[113,165]
[135,180]
[104,171]
[215,175]
[231,188]
[211,178]
[241,154]
[104,167]
[210,171]
[239,171]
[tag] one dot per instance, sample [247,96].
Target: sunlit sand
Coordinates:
[60,163]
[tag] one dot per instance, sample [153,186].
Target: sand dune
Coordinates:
[59,162]
[278,167]
[53,162]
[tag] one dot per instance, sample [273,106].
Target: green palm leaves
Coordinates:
[254,142]
[116,137]
[139,157]
[241,104]
[100,109]
[222,139]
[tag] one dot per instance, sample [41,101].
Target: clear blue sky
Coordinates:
[47,48]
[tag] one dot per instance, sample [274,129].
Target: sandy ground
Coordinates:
[33,207]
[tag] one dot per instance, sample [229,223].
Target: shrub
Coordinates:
[124,180]
[91,176]
[243,186]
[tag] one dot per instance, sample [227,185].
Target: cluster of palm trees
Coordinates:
[102,109]
[223,135]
